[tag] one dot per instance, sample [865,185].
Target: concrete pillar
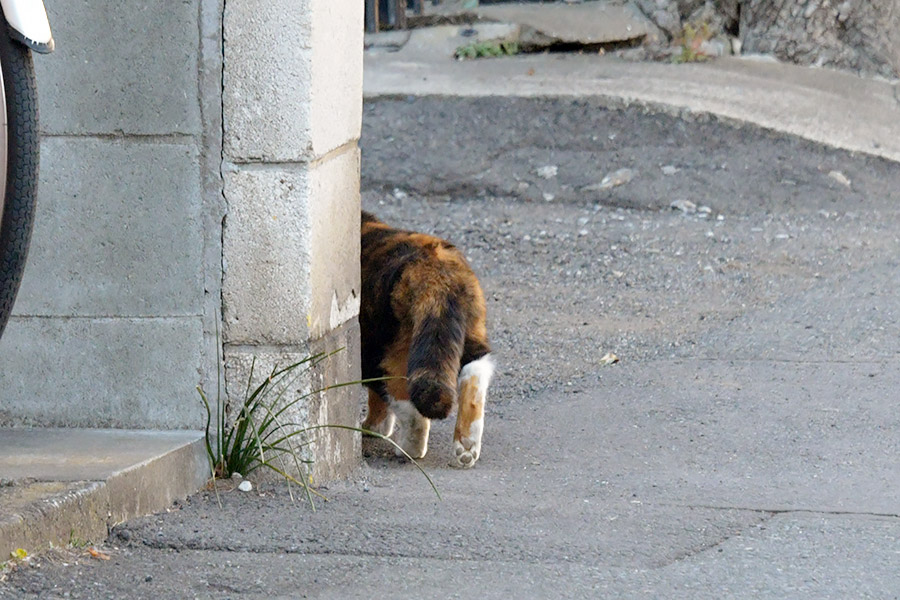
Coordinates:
[292,106]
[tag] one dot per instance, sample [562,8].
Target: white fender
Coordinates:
[28,23]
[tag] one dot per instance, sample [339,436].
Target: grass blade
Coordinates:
[259,436]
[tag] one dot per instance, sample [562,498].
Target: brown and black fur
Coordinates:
[422,319]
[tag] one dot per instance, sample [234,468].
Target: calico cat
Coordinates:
[422,322]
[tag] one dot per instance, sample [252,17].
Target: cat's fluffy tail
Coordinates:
[434,354]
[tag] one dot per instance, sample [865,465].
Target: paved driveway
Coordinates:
[744,446]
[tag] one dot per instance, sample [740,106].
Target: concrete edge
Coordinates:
[56,514]
[157,482]
[78,512]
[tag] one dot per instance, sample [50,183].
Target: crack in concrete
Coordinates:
[713,545]
[105,317]
[221,381]
[784,511]
[362,554]
[298,549]
[767,515]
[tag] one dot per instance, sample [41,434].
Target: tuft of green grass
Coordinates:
[692,37]
[260,436]
[487,49]
[75,541]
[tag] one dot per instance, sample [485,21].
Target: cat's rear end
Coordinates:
[422,321]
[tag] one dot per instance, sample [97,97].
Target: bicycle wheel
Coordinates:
[19,154]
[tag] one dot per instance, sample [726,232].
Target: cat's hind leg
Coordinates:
[474,380]
[380,418]
[412,433]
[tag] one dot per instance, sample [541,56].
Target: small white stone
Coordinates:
[609,359]
[614,179]
[547,171]
[669,169]
[548,197]
[685,206]
[840,178]
[245,486]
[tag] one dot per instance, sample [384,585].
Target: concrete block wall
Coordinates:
[197,157]
[292,119]
[116,317]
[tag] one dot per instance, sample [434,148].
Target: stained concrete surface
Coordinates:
[743,447]
[81,454]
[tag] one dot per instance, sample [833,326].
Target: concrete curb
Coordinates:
[834,108]
[51,509]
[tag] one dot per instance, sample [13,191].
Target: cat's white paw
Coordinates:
[412,452]
[415,447]
[412,431]
[464,458]
[385,427]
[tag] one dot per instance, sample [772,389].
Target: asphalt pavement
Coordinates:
[743,446]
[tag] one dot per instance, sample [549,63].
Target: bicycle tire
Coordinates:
[23,152]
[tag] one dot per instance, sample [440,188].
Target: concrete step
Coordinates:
[63,485]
